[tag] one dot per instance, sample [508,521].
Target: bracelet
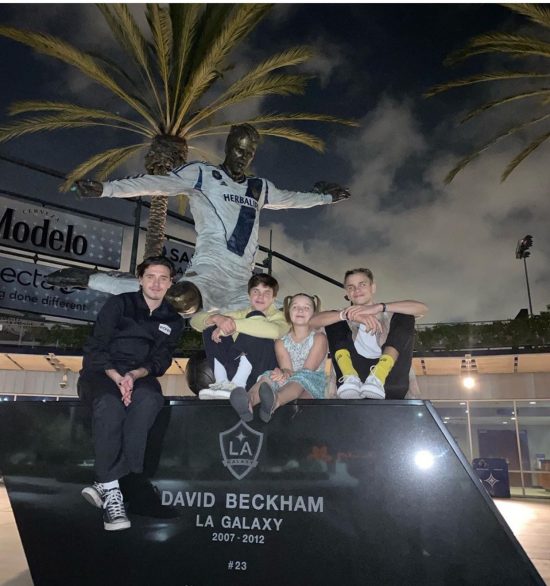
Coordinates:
[342,317]
[383,307]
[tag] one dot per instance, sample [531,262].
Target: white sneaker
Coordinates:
[372,388]
[217,391]
[350,387]
[95,494]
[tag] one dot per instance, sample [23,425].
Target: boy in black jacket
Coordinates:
[132,344]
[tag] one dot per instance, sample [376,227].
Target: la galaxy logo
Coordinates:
[241,445]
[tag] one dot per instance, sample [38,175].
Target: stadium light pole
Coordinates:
[522,251]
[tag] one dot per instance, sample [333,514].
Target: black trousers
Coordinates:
[400,337]
[119,432]
[260,352]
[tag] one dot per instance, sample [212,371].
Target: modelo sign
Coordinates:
[47,231]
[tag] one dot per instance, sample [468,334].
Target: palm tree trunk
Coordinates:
[166,153]
[156,226]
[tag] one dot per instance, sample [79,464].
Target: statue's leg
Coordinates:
[82,278]
[114,283]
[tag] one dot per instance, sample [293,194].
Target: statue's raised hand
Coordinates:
[337,192]
[86,188]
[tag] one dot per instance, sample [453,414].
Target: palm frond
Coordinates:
[127,32]
[244,87]
[210,21]
[185,18]
[223,127]
[106,158]
[485,77]
[59,49]
[277,84]
[519,45]
[524,154]
[302,116]
[159,21]
[58,122]
[75,111]
[205,154]
[508,132]
[288,58]
[240,21]
[538,14]
[119,73]
[107,168]
[294,135]
[505,100]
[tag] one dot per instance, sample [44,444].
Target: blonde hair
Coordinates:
[287,302]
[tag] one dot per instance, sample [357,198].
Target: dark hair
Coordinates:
[287,302]
[244,131]
[155,260]
[366,272]
[263,279]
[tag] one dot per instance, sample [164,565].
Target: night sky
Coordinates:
[449,246]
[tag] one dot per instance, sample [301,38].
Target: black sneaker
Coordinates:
[94,494]
[114,514]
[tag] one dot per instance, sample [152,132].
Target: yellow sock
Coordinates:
[383,367]
[343,359]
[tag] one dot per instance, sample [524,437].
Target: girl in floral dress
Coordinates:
[301,356]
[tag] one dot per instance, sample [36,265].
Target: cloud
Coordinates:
[327,60]
[449,246]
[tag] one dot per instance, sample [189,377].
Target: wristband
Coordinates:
[342,317]
[383,307]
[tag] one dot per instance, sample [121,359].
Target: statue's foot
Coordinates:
[76,277]
[185,297]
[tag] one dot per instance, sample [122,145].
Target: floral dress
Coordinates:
[313,381]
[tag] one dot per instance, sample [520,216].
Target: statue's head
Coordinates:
[240,149]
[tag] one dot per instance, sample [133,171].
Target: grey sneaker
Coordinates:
[114,513]
[239,401]
[373,387]
[268,400]
[350,387]
[94,494]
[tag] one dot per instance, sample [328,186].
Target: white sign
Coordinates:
[179,254]
[34,228]
[23,287]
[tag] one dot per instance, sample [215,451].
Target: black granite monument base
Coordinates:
[349,493]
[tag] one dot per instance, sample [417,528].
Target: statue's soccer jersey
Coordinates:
[226,215]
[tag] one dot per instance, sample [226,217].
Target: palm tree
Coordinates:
[171,73]
[518,46]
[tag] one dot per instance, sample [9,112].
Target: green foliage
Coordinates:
[63,336]
[533,332]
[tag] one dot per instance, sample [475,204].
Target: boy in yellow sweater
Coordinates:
[239,344]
